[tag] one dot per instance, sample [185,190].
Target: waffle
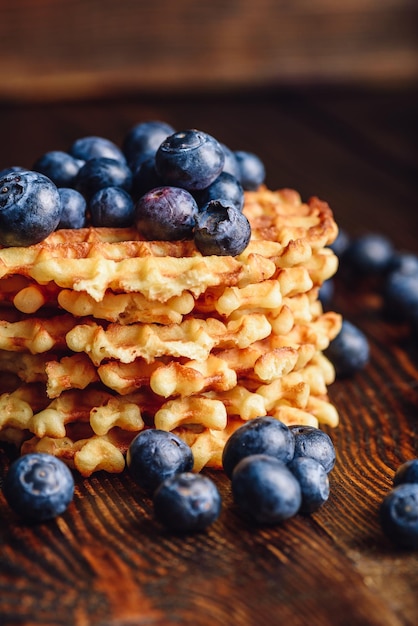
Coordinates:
[103,334]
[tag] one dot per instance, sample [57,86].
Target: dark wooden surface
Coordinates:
[84,48]
[106,562]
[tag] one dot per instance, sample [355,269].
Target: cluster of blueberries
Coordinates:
[171,184]
[276,471]
[371,257]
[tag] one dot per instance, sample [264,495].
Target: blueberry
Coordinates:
[400,292]
[349,352]
[262,435]
[190,159]
[86,148]
[38,486]
[13,169]
[60,167]
[252,172]
[166,213]
[143,138]
[145,177]
[112,207]
[187,502]
[225,188]
[313,481]
[231,162]
[369,254]
[30,208]
[265,489]
[406,473]
[405,263]
[73,208]
[221,229]
[101,172]
[341,243]
[155,455]
[314,443]
[326,292]
[399,515]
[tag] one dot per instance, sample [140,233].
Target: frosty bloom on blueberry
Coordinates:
[30,208]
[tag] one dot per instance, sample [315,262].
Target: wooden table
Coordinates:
[106,562]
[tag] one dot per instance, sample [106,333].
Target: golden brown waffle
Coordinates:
[103,334]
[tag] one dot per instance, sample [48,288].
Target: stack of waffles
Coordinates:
[103,334]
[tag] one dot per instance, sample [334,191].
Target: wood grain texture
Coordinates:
[106,561]
[75,48]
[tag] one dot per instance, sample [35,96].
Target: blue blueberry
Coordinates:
[225,188]
[314,443]
[326,292]
[155,455]
[231,162]
[61,167]
[406,473]
[30,208]
[399,515]
[86,148]
[262,435]
[405,263]
[349,352]
[190,159]
[341,243]
[111,207]
[265,490]
[221,229]
[369,254]
[187,502]
[143,138]
[38,486]
[145,178]
[101,172]
[252,172]
[313,481]
[400,292]
[73,208]
[166,213]
[13,169]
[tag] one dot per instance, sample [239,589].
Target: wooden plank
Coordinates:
[84,48]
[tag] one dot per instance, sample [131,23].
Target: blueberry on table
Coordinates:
[112,207]
[30,208]
[225,188]
[221,229]
[265,490]
[145,137]
[313,481]
[252,172]
[60,167]
[314,443]
[262,435]
[155,455]
[187,502]
[101,172]
[190,159]
[92,147]
[73,208]
[369,254]
[404,262]
[166,213]
[341,243]
[406,473]
[38,486]
[400,292]
[349,352]
[326,292]
[399,515]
